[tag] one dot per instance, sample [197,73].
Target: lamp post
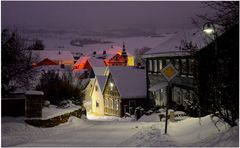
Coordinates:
[210,29]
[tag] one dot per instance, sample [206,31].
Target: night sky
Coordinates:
[101,14]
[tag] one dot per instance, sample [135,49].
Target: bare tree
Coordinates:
[226,13]
[139,61]
[16,62]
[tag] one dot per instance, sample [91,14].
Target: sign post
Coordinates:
[169,72]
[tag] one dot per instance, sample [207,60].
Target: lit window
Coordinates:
[112,103]
[116,104]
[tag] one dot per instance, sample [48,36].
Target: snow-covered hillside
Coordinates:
[62,42]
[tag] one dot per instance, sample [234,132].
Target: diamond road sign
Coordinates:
[169,72]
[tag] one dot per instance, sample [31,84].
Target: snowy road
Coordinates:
[146,132]
[98,134]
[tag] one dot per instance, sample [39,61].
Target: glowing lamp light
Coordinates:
[111,84]
[208,28]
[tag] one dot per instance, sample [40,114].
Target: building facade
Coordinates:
[125,89]
[182,84]
[171,51]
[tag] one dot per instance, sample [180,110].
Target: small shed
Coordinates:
[33,104]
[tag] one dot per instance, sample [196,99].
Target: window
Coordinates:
[96,88]
[177,64]
[155,65]
[106,102]
[167,61]
[97,104]
[191,67]
[160,64]
[163,63]
[184,67]
[112,103]
[117,104]
[172,61]
[150,65]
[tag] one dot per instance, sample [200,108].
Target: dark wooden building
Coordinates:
[171,51]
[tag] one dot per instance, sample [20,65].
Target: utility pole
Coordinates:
[169,72]
[169,97]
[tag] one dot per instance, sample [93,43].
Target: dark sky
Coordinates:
[101,14]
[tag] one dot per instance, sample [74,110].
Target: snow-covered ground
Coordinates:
[189,132]
[145,132]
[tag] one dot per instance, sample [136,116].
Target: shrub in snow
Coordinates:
[64,104]
[149,112]
[57,89]
[127,115]
[46,103]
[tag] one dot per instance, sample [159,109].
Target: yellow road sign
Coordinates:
[169,72]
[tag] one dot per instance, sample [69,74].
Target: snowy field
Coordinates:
[145,132]
[62,42]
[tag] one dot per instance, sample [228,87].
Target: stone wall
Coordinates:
[56,120]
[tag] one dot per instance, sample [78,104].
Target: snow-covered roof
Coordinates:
[110,52]
[171,46]
[130,81]
[81,60]
[100,71]
[101,81]
[59,55]
[94,62]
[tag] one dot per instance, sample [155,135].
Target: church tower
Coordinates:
[124,53]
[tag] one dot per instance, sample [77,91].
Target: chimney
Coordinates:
[104,52]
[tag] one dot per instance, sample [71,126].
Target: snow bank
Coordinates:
[109,118]
[150,118]
[52,111]
[195,129]
[229,138]
[15,131]
[206,131]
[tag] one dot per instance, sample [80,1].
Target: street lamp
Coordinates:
[210,29]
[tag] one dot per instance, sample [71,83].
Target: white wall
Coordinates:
[97,97]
